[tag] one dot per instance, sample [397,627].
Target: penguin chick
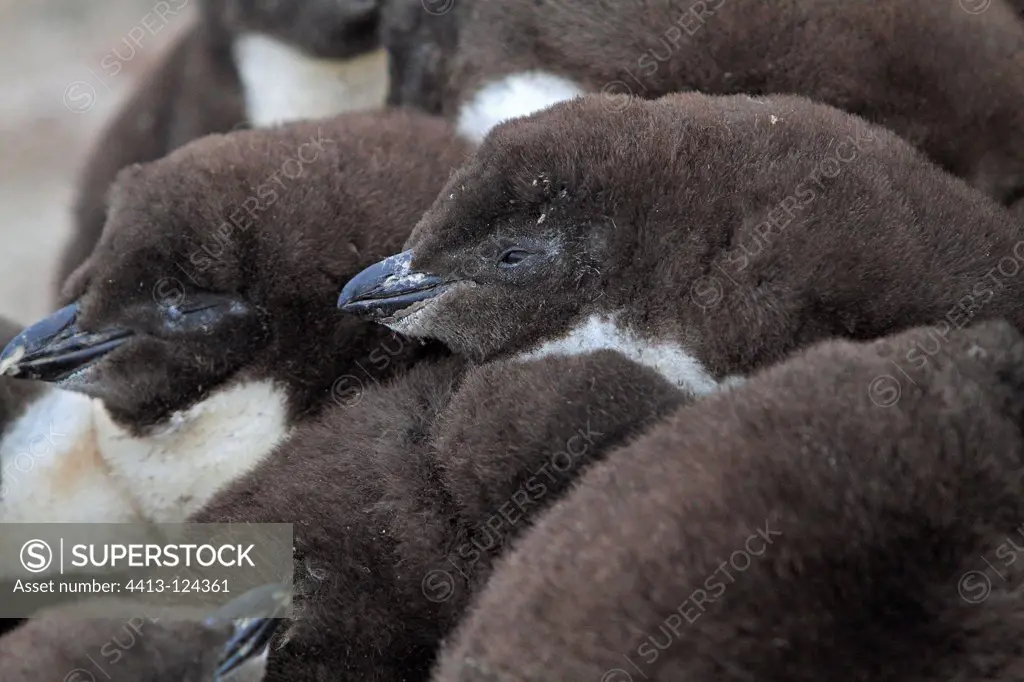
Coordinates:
[702,236]
[201,327]
[402,501]
[947,75]
[833,518]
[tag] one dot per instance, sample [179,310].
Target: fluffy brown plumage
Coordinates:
[834,518]
[402,501]
[196,90]
[940,73]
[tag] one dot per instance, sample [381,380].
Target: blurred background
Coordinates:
[55,96]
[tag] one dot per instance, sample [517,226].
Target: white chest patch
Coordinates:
[520,94]
[670,360]
[51,471]
[175,472]
[282,84]
[65,460]
[51,468]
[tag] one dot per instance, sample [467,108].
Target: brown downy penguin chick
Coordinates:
[943,74]
[833,518]
[402,501]
[245,63]
[702,236]
[201,331]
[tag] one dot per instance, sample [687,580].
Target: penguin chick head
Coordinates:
[590,208]
[514,246]
[222,262]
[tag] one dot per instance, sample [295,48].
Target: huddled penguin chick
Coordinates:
[245,62]
[402,501]
[833,518]
[702,236]
[201,331]
[947,75]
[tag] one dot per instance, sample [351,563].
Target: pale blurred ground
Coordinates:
[47,46]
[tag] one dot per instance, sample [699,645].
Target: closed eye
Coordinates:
[513,257]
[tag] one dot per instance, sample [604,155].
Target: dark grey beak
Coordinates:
[252,635]
[55,348]
[387,287]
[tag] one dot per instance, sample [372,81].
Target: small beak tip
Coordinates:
[10,358]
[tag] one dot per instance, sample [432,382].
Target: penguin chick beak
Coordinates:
[55,348]
[252,635]
[388,287]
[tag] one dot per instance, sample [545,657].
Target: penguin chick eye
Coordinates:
[512,258]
